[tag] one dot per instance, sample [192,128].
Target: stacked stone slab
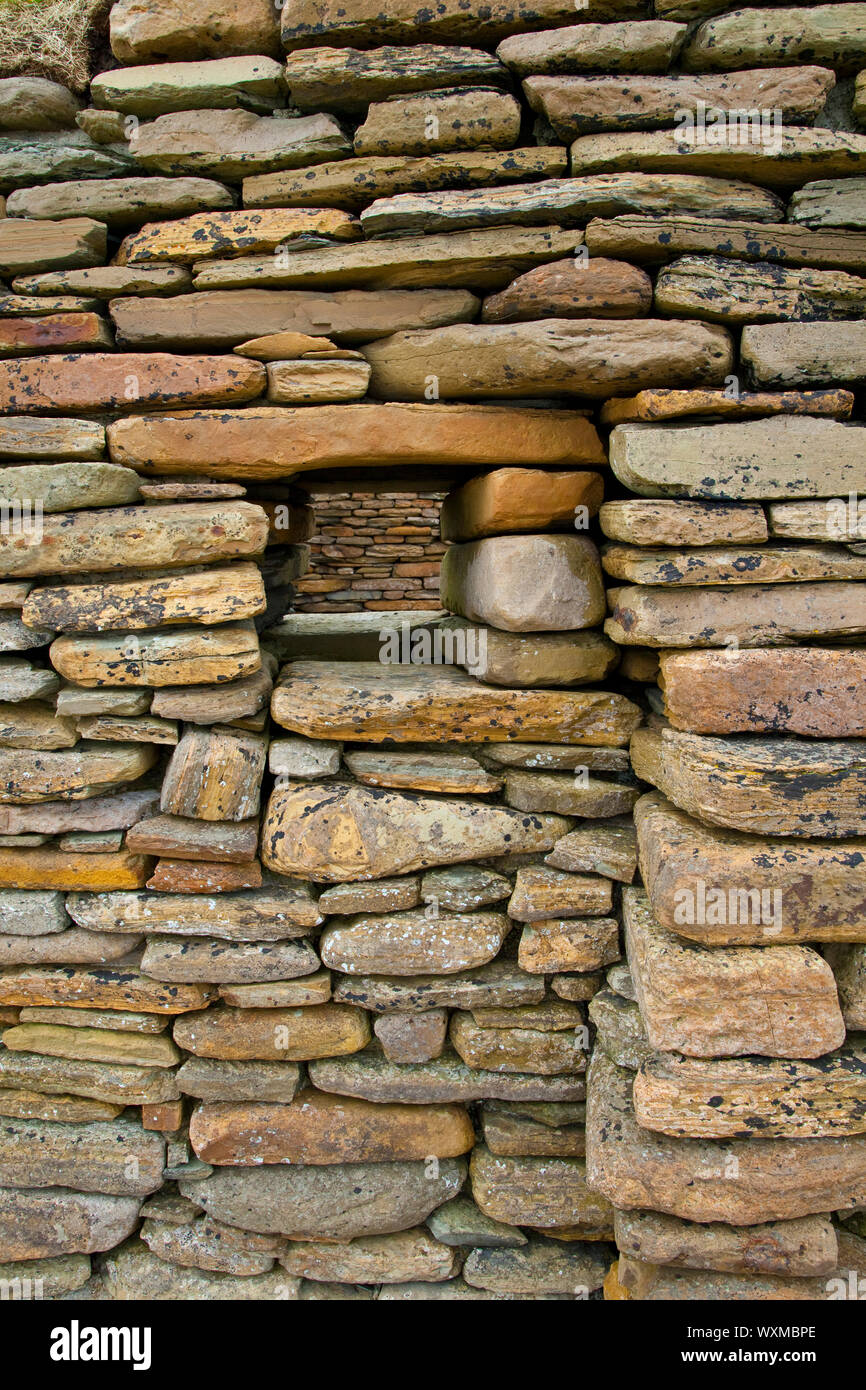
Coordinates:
[310,926]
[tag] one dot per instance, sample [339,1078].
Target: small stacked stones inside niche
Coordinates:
[512,950]
[374,551]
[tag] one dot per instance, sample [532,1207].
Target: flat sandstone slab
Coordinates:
[372,702]
[586,357]
[745,784]
[115,538]
[318,1128]
[337,833]
[743,1097]
[269,442]
[335,1201]
[94,381]
[787,456]
[773,1001]
[812,691]
[807,890]
[741,1182]
[751,615]
[803,1247]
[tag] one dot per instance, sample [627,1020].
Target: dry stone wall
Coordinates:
[515,954]
[374,551]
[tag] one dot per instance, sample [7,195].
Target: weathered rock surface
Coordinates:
[337,1201]
[280,910]
[510,500]
[317,1128]
[416,1037]
[660,239]
[740,1182]
[364,25]
[571,943]
[217,595]
[221,962]
[465,118]
[568,795]
[447,1078]
[88,1158]
[745,1097]
[577,106]
[513,659]
[732,292]
[35,437]
[108,987]
[274,1035]
[132,1273]
[487,259]
[215,1079]
[40,1224]
[348,79]
[48,245]
[215,774]
[848,963]
[69,947]
[161,656]
[819,33]
[541,1268]
[205,234]
[164,30]
[96,381]
[525,583]
[388,1259]
[821,882]
[742,461]
[119,202]
[774,1001]
[608,848]
[152,89]
[786,160]
[339,833]
[651,522]
[575,288]
[751,615]
[227,842]
[570,202]
[745,784]
[545,1193]
[811,691]
[729,565]
[208,1245]
[803,1247]
[71,774]
[587,357]
[829,203]
[521,1049]
[641,45]
[541,893]
[269,442]
[230,144]
[35,103]
[413,943]
[407,703]
[805,354]
[500,983]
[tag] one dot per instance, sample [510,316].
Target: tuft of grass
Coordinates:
[52,38]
